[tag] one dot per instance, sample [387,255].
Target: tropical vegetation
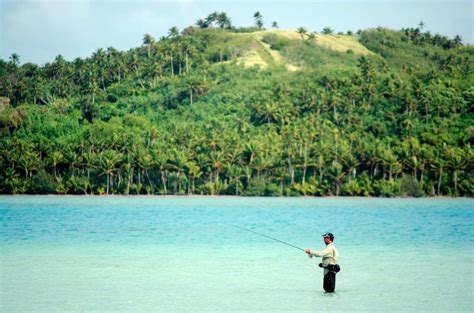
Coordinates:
[183,115]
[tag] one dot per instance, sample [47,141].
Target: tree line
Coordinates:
[178,115]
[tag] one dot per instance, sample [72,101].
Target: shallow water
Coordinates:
[141,254]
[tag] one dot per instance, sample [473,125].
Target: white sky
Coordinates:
[39,30]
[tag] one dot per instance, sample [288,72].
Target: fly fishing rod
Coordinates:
[249,230]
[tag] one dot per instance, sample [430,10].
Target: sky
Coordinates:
[39,30]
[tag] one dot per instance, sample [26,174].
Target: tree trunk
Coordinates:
[189,186]
[149,180]
[111,184]
[163,181]
[456,182]
[172,69]
[304,174]
[439,182]
[291,171]
[129,180]
[249,175]
[187,65]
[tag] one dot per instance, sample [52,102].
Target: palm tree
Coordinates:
[202,23]
[170,47]
[15,59]
[211,18]
[269,112]
[217,162]
[98,66]
[194,172]
[351,163]
[29,161]
[145,162]
[327,30]
[108,160]
[148,41]
[14,182]
[260,164]
[180,162]
[258,20]
[456,162]
[188,46]
[56,158]
[337,174]
[161,161]
[223,20]
[457,41]
[173,32]
[438,165]
[234,173]
[302,31]
[128,168]
[311,37]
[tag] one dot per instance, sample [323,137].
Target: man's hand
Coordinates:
[308,251]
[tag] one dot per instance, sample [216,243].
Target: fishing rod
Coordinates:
[249,230]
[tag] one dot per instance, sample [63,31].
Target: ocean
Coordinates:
[182,254]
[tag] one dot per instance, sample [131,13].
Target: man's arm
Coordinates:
[322,253]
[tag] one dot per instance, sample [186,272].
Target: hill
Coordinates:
[245,111]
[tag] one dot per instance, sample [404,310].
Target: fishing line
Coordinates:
[249,230]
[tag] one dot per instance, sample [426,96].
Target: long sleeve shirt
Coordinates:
[329,255]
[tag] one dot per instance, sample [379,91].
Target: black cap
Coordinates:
[330,235]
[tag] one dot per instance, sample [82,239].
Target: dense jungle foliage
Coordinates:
[181,115]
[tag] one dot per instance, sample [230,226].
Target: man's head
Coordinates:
[328,238]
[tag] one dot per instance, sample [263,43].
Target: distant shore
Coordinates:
[226,196]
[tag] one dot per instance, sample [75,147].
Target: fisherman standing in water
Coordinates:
[330,257]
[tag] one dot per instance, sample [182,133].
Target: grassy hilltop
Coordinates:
[215,109]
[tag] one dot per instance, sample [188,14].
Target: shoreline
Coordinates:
[226,196]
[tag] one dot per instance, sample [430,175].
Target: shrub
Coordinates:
[272,190]
[255,188]
[112,98]
[351,188]
[276,42]
[43,183]
[410,187]
[387,188]
[307,189]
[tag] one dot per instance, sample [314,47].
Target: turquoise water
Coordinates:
[170,254]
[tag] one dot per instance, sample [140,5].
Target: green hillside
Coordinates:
[245,111]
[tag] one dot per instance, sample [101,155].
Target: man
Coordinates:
[330,256]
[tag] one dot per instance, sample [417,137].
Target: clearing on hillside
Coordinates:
[262,55]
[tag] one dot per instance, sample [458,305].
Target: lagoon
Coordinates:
[169,254]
